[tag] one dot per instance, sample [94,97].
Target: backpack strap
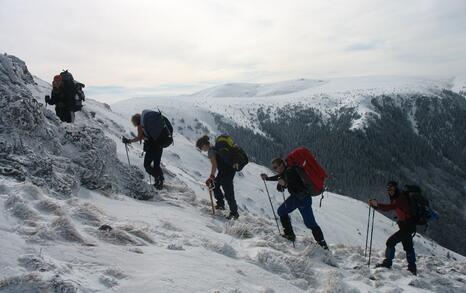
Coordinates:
[322,196]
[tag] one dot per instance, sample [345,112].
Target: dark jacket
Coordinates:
[295,181]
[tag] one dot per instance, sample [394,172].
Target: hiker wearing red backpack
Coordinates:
[67,96]
[406,223]
[301,188]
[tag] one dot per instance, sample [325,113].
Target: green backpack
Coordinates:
[231,153]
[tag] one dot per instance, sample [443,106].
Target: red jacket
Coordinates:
[398,203]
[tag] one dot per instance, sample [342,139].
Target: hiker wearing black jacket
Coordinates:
[407,227]
[293,179]
[223,179]
[67,96]
[153,149]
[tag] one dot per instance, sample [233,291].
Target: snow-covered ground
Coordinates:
[239,102]
[51,242]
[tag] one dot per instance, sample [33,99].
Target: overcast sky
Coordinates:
[115,45]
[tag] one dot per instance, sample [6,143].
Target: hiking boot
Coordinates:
[290,237]
[323,244]
[412,269]
[158,184]
[384,264]
[220,207]
[233,216]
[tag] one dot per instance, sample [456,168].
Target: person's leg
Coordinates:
[283,212]
[392,241]
[408,247]
[148,159]
[229,191]
[60,114]
[157,158]
[305,208]
[68,116]
[218,194]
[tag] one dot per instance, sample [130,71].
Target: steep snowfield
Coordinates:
[49,220]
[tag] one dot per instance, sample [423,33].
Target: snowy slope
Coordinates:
[239,102]
[172,243]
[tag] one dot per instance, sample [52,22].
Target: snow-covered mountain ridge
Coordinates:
[60,183]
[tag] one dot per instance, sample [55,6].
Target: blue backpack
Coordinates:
[157,127]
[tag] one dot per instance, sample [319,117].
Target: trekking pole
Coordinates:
[367,231]
[127,155]
[372,234]
[271,205]
[211,187]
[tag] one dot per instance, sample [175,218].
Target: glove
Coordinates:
[280,188]
[264,176]
[125,140]
[209,182]
[47,99]
[373,203]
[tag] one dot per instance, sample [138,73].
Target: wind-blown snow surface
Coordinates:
[51,242]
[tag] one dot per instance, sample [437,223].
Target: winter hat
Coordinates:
[392,184]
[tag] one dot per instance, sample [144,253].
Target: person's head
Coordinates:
[278,165]
[136,119]
[203,143]
[392,188]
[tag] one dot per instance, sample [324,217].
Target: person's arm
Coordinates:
[384,207]
[140,135]
[213,169]
[272,178]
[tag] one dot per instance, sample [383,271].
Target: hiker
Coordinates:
[67,96]
[301,191]
[223,179]
[406,223]
[157,133]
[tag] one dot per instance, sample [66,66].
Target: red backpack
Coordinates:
[303,158]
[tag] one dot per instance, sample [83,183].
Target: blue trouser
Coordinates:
[304,205]
[404,235]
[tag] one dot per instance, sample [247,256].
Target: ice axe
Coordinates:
[211,187]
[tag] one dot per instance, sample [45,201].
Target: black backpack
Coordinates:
[166,136]
[231,154]
[419,208]
[71,92]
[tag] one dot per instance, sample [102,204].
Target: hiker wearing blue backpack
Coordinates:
[399,202]
[157,133]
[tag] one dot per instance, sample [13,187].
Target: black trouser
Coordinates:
[405,236]
[154,155]
[64,114]
[224,179]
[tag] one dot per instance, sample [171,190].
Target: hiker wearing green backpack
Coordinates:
[226,158]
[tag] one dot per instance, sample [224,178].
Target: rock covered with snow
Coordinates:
[35,146]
